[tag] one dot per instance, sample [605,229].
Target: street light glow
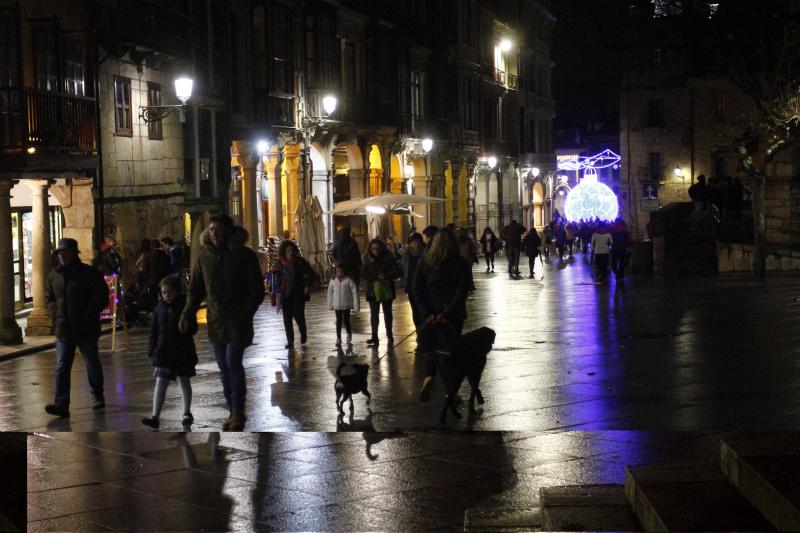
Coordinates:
[329,104]
[535,171]
[491,161]
[677,170]
[505,45]
[183,89]
[409,171]
[427,145]
[263,147]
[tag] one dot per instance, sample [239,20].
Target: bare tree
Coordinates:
[758,45]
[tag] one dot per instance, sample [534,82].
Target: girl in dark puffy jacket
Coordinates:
[172,352]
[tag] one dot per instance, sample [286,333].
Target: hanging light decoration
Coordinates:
[591,199]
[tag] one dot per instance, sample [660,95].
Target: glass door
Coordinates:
[16,258]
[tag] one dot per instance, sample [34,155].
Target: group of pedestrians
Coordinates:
[725,193]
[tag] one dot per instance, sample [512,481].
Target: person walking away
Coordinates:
[560,235]
[601,247]
[379,271]
[76,294]
[174,253]
[172,353]
[411,258]
[531,243]
[489,247]
[108,261]
[513,245]
[440,288]
[571,231]
[619,253]
[228,276]
[346,251]
[467,250]
[297,277]
[342,297]
[547,233]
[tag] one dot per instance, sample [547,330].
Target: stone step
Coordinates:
[689,497]
[587,508]
[765,468]
[500,519]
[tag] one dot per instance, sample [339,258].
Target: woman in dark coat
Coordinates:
[531,243]
[297,277]
[489,247]
[379,271]
[440,289]
[172,352]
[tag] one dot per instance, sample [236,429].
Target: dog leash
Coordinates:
[394,346]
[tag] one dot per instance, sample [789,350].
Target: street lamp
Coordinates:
[183,91]
[491,161]
[535,171]
[329,104]
[677,171]
[427,145]
[263,147]
[506,45]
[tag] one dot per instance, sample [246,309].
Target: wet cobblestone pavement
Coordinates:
[661,353]
[319,481]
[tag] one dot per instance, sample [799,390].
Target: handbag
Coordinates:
[382,290]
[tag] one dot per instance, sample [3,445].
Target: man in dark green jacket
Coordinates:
[76,294]
[228,276]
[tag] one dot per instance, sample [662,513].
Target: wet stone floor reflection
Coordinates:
[659,353]
[319,481]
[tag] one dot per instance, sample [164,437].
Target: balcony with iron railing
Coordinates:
[35,118]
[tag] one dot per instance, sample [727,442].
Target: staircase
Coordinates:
[753,485]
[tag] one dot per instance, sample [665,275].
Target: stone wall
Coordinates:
[739,258]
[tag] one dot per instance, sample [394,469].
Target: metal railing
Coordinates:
[35,117]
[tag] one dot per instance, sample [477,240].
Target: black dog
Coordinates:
[466,361]
[350,379]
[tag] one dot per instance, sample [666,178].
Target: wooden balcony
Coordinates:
[46,131]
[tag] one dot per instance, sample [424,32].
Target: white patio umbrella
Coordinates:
[319,254]
[390,201]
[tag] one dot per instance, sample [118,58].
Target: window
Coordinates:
[45,57]
[74,67]
[281,53]
[9,49]
[154,130]
[122,106]
[417,101]
[348,74]
[655,113]
[721,109]
[654,159]
[259,49]
[321,52]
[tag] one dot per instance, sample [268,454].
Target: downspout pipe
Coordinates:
[100,218]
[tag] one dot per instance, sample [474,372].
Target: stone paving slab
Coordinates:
[306,481]
[658,353]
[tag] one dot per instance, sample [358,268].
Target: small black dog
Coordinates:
[467,361]
[350,379]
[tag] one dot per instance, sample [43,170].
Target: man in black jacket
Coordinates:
[346,251]
[76,294]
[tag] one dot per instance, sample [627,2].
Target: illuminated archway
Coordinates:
[375,171]
[537,201]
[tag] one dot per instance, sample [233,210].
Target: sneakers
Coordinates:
[99,402]
[187,419]
[373,341]
[338,342]
[151,422]
[57,410]
[289,345]
[425,390]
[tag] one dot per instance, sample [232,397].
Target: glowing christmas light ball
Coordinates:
[591,199]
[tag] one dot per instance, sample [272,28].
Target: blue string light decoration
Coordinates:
[591,199]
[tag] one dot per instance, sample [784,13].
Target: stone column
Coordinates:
[39,321]
[10,332]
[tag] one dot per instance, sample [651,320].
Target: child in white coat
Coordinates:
[342,297]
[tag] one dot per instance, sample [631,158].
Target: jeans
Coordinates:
[618,258]
[343,315]
[601,264]
[374,310]
[294,308]
[489,259]
[513,259]
[234,387]
[65,355]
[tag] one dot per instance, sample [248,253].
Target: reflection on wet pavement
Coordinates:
[318,481]
[660,353]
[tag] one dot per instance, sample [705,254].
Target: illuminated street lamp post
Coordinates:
[308,124]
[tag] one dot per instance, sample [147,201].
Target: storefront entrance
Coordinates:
[21,236]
